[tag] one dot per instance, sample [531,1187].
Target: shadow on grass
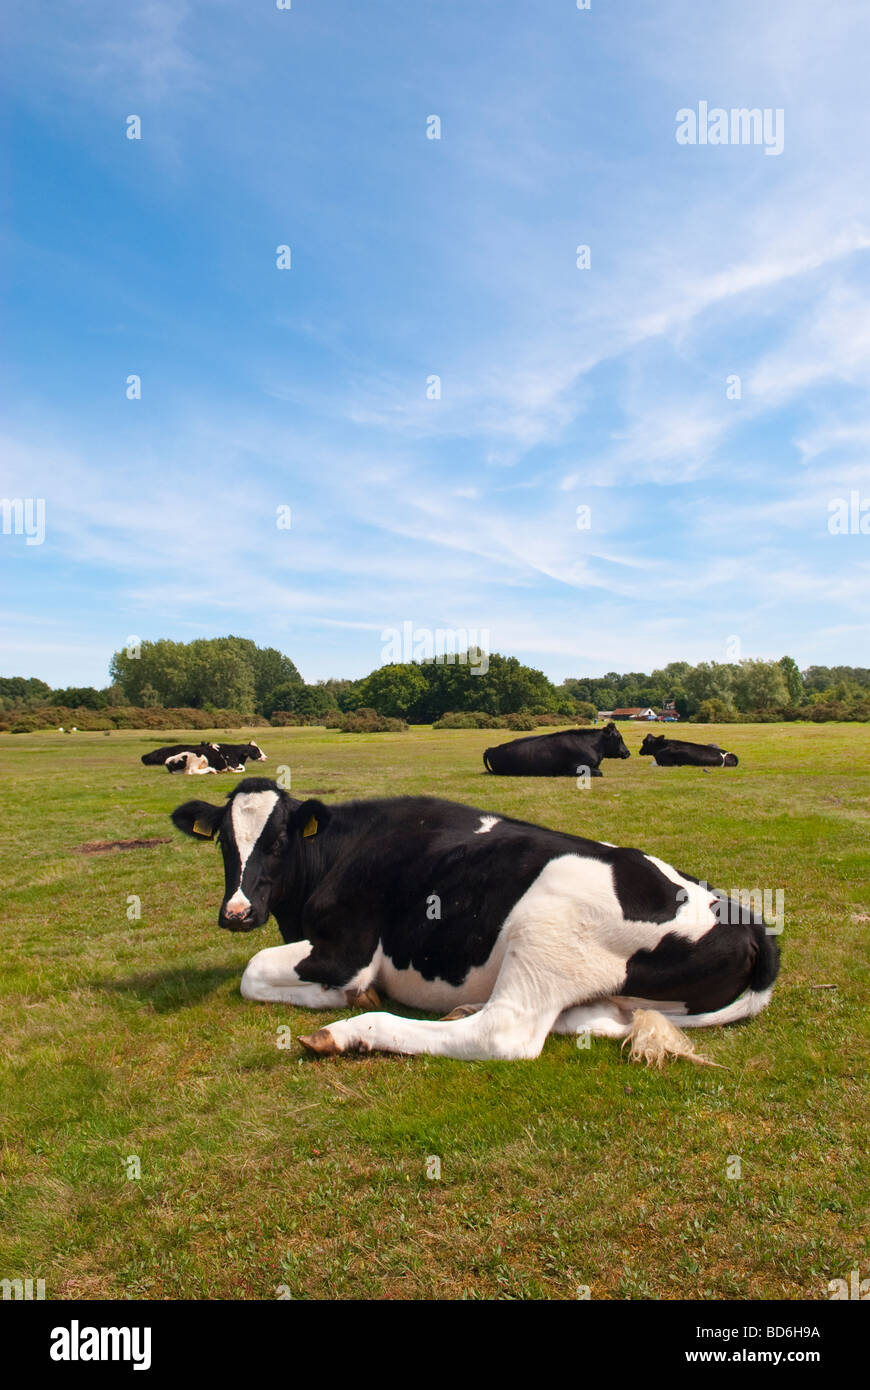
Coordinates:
[167,991]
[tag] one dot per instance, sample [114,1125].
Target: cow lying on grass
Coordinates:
[526,931]
[219,757]
[556,755]
[192,764]
[674,752]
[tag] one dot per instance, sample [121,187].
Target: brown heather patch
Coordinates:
[107,846]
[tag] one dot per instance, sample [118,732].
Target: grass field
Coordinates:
[266,1172]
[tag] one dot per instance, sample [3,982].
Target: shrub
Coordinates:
[129,717]
[468,719]
[713,711]
[521,722]
[287,719]
[368,721]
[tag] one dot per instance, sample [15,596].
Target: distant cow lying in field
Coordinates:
[672,752]
[517,930]
[220,757]
[556,755]
[193,764]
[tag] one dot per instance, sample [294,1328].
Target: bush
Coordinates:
[128,717]
[521,722]
[286,719]
[713,711]
[468,719]
[477,719]
[368,721]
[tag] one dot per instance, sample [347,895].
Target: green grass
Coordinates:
[261,1168]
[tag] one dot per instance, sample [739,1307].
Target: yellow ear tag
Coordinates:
[311,828]
[201,827]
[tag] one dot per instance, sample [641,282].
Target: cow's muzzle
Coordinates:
[238,918]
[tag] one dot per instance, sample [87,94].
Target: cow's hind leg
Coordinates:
[462,1011]
[601,1020]
[271,978]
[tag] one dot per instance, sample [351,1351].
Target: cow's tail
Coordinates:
[730,760]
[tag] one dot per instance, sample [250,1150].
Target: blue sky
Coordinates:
[560,387]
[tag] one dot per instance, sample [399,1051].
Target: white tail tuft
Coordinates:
[654,1038]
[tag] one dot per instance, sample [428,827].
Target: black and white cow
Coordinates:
[674,752]
[221,757]
[192,764]
[237,754]
[556,755]
[527,931]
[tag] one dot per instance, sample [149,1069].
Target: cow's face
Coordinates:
[612,745]
[651,743]
[256,754]
[259,830]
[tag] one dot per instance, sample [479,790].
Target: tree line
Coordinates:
[234,674]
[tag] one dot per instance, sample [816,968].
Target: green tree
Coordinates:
[294,697]
[709,680]
[223,672]
[79,697]
[394,690]
[792,678]
[759,685]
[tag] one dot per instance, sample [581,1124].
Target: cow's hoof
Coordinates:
[461,1011]
[322,1043]
[363,998]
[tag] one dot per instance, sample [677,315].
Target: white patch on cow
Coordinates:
[261,756]
[195,764]
[250,812]
[695,915]
[486,824]
[411,988]
[271,977]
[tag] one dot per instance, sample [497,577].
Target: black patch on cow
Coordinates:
[645,894]
[705,974]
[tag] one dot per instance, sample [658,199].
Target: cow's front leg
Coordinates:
[271,977]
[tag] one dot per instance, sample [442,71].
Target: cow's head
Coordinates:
[255,753]
[612,745]
[651,743]
[260,830]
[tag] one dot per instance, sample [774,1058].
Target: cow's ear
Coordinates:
[311,818]
[199,819]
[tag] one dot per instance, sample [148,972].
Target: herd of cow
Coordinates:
[543,755]
[514,930]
